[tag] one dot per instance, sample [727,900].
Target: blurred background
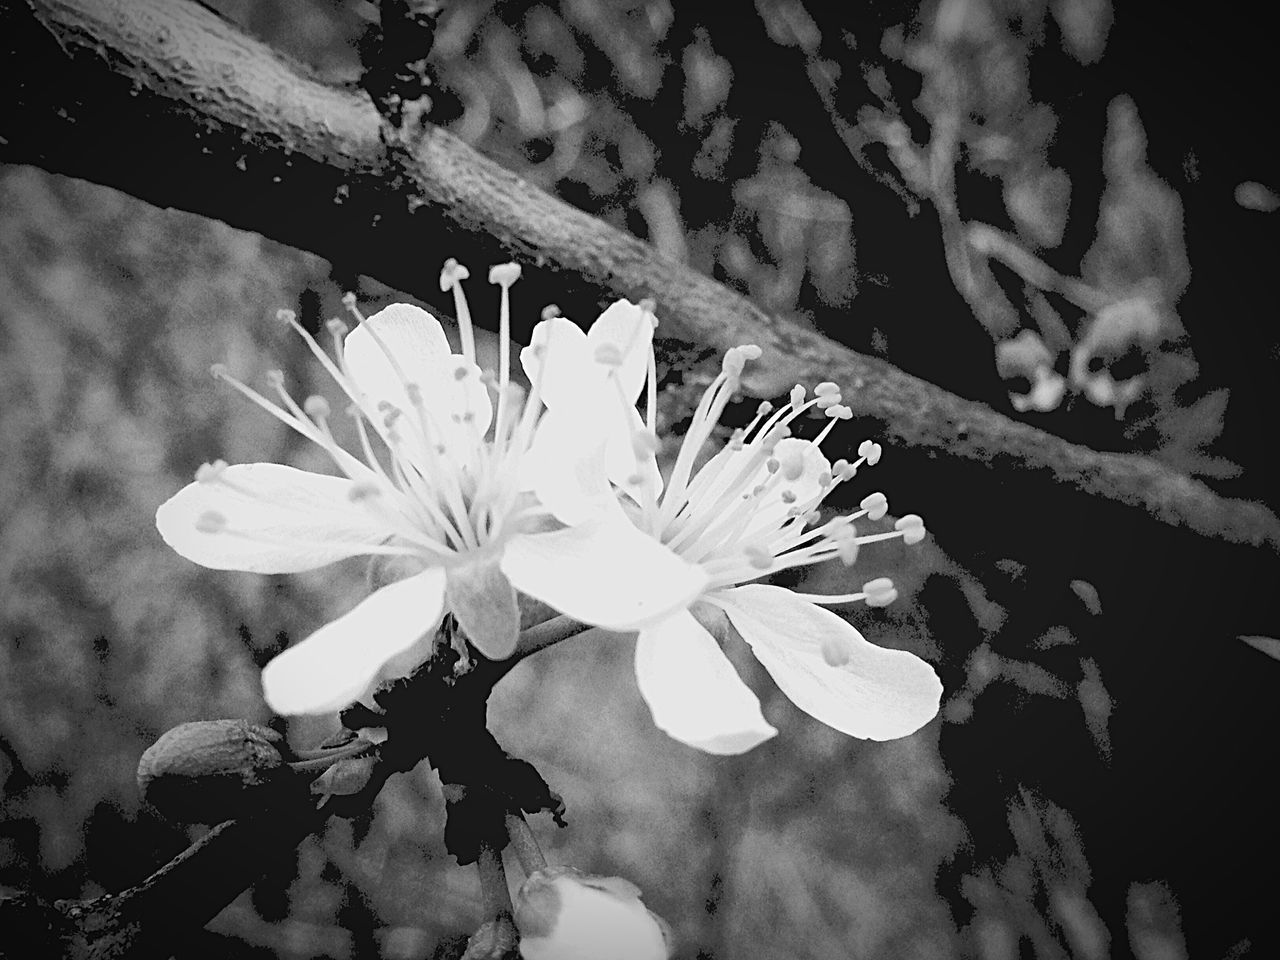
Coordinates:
[1060,209]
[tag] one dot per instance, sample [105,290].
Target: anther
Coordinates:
[335,327]
[316,407]
[275,378]
[286,316]
[788,496]
[837,650]
[764,409]
[751,351]
[219,371]
[847,472]
[363,490]
[876,505]
[209,472]
[825,479]
[826,389]
[453,272]
[911,527]
[736,439]
[609,354]
[735,361]
[792,465]
[504,274]
[870,452]
[644,443]
[461,372]
[758,557]
[772,464]
[797,395]
[550,312]
[211,521]
[839,411]
[880,592]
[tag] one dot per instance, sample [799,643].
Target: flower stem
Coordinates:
[525,844]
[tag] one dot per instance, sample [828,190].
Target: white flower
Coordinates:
[566,915]
[441,483]
[750,511]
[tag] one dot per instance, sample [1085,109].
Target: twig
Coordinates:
[259,144]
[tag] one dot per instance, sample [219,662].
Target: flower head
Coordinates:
[443,481]
[749,511]
[566,915]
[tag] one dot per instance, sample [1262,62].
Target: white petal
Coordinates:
[277,520]
[415,341]
[879,694]
[338,663]
[484,602]
[603,572]
[565,467]
[558,361]
[623,463]
[626,329]
[693,691]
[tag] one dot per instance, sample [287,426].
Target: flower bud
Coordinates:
[566,915]
[211,770]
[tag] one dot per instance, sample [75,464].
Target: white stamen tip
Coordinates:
[550,312]
[870,452]
[211,521]
[335,327]
[286,316]
[880,592]
[797,395]
[876,505]
[759,558]
[316,407]
[349,300]
[644,443]
[219,370]
[826,389]
[764,409]
[837,650]
[209,472]
[453,272]
[751,351]
[911,527]
[735,360]
[275,378]
[788,496]
[504,274]
[839,411]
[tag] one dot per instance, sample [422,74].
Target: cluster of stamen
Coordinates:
[441,485]
[753,508]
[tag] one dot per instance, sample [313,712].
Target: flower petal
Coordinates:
[693,691]
[416,351]
[271,519]
[483,600]
[878,694]
[558,361]
[339,662]
[627,331]
[603,572]
[566,470]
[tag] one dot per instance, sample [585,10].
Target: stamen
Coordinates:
[316,407]
[870,452]
[876,505]
[211,521]
[911,527]
[451,277]
[211,472]
[837,650]
[349,301]
[880,592]
[504,274]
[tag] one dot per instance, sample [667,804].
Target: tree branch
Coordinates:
[168,102]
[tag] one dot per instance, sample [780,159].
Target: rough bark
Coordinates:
[166,101]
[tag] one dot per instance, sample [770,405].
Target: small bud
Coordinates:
[211,770]
[566,915]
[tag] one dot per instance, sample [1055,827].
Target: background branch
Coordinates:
[172,104]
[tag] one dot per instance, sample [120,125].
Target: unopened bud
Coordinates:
[208,771]
[566,915]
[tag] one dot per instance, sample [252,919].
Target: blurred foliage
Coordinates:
[794,154]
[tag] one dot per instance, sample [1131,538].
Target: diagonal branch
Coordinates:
[168,102]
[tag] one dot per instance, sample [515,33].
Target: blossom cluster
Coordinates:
[482,491]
